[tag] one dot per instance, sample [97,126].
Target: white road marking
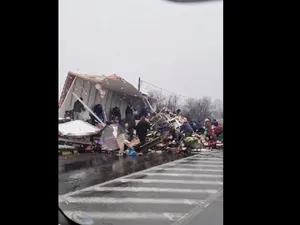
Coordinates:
[104,200]
[192,169]
[193,165]
[184,175]
[205,162]
[127,176]
[171,181]
[208,159]
[131,215]
[206,205]
[150,189]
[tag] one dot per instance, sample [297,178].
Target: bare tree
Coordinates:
[159,97]
[162,100]
[198,109]
[218,108]
[172,102]
[193,109]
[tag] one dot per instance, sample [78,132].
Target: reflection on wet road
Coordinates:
[164,194]
[80,171]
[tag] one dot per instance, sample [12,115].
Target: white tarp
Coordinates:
[66,147]
[77,128]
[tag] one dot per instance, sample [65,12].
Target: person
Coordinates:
[99,111]
[176,136]
[141,129]
[214,123]
[208,133]
[128,111]
[120,134]
[145,111]
[115,113]
[186,128]
[201,129]
[218,132]
[130,120]
[178,111]
[77,109]
[130,148]
[195,125]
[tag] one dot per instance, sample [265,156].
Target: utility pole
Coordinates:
[139,84]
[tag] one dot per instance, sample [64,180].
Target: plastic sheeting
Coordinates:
[77,128]
[66,147]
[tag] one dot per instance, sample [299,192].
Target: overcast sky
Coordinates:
[178,47]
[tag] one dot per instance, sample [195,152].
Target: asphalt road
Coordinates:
[144,190]
[80,171]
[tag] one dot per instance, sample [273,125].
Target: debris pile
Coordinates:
[164,136]
[76,134]
[107,114]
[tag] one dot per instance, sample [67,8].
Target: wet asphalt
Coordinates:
[165,189]
[80,171]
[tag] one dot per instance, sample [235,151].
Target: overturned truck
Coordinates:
[108,91]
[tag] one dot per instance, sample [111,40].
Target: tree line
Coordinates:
[192,108]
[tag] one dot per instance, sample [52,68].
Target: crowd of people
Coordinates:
[115,113]
[210,131]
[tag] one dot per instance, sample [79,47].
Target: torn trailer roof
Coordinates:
[109,91]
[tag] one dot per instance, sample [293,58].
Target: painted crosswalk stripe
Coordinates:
[150,189]
[127,176]
[183,175]
[204,159]
[208,156]
[147,181]
[194,165]
[131,215]
[209,159]
[105,200]
[192,169]
[205,162]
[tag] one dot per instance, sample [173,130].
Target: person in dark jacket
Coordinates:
[130,120]
[186,128]
[214,122]
[116,113]
[77,109]
[142,129]
[128,111]
[99,111]
[145,112]
[195,125]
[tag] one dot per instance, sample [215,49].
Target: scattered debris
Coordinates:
[164,135]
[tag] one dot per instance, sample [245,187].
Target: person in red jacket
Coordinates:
[218,131]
